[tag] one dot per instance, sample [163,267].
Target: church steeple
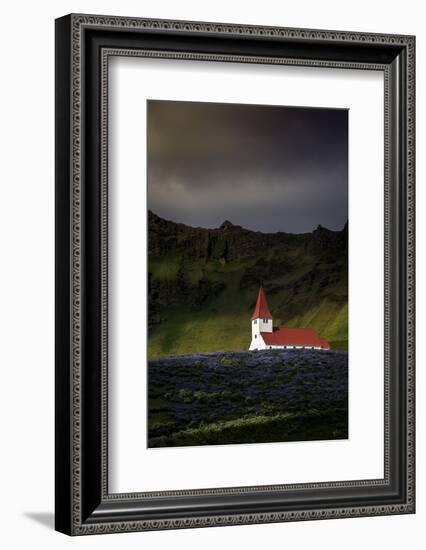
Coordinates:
[261,321]
[261,310]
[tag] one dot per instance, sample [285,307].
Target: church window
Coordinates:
[255,335]
[255,321]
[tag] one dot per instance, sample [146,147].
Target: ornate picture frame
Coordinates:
[84,44]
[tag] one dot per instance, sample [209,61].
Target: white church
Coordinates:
[265,336]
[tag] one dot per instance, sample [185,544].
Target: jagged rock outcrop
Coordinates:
[227,242]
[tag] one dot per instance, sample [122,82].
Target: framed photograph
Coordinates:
[234,274]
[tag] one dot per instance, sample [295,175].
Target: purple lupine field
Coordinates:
[248,397]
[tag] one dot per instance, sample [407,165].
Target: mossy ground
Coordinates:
[247,397]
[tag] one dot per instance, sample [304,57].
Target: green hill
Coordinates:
[203,284]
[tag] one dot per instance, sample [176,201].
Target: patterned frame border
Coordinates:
[78,22]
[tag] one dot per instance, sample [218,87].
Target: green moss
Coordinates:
[339,344]
[164,268]
[308,426]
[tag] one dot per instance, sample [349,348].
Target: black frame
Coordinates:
[83,44]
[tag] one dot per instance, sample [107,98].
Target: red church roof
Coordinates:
[261,309]
[294,337]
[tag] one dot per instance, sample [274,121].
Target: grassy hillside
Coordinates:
[203,285]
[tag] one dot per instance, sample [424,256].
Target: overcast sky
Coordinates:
[265,168]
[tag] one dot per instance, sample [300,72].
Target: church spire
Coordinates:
[261,309]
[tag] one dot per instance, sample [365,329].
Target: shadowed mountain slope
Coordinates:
[203,283]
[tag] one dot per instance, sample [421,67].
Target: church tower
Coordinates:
[261,321]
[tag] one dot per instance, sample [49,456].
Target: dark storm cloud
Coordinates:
[265,168]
